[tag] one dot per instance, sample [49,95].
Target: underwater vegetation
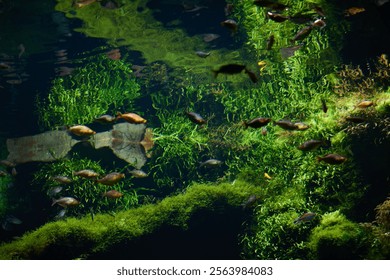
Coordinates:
[300,206]
[60,179]
[89,92]
[80,238]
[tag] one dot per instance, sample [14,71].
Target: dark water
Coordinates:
[35,68]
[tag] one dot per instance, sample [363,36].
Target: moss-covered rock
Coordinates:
[74,238]
[338,238]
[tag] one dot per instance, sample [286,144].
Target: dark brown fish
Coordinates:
[230,24]
[303,33]
[196,118]
[228,9]
[86,173]
[251,75]
[324,107]
[332,158]
[289,51]
[306,217]
[112,194]
[310,145]
[270,4]
[319,23]
[300,18]
[111,179]
[229,69]
[277,17]
[257,122]
[285,124]
[270,42]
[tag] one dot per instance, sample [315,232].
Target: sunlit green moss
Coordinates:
[74,238]
[101,86]
[338,238]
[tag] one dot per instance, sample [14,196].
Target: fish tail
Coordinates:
[319,159]
[215,73]
[245,124]
[118,115]
[297,221]
[54,201]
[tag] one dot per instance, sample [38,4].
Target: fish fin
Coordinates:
[319,159]
[54,201]
[245,124]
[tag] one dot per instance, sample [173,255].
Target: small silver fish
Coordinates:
[202,54]
[62,179]
[210,163]
[66,201]
[137,173]
[54,190]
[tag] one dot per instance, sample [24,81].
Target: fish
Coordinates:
[81,130]
[111,178]
[83,3]
[229,69]
[14,172]
[62,179]
[4,66]
[228,9]
[105,119]
[353,11]
[137,173]
[61,214]
[202,54]
[300,18]
[301,126]
[365,104]
[303,33]
[3,173]
[319,23]
[210,37]
[257,122]
[112,194]
[286,124]
[196,118]
[276,17]
[9,221]
[332,158]
[65,201]
[54,191]
[22,50]
[114,54]
[7,163]
[355,119]
[310,145]
[305,217]
[210,163]
[86,173]
[131,118]
[324,107]
[289,51]
[230,24]
[270,4]
[319,11]
[251,75]
[250,201]
[270,42]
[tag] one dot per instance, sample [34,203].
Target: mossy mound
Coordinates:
[337,238]
[75,238]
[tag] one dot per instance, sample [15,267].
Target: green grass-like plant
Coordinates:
[102,86]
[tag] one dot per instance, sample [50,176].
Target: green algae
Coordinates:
[76,238]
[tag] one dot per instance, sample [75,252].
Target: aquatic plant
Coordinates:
[87,191]
[102,86]
[81,238]
[338,238]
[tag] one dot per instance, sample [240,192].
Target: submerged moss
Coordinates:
[74,238]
